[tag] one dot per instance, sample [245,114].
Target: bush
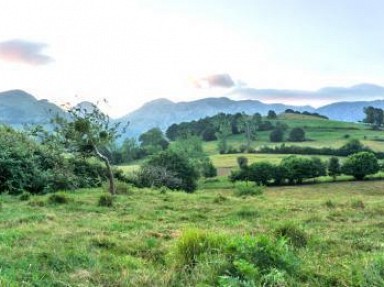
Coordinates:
[360,165]
[122,188]
[277,135]
[297,135]
[208,170]
[296,236]
[245,188]
[58,198]
[25,196]
[106,200]
[171,169]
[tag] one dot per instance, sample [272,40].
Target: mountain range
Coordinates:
[18,107]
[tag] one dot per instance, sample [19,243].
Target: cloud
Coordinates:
[21,51]
[215,81]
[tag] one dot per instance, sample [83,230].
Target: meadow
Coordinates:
[45,242]
[321,233]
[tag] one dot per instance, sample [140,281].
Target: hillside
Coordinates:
[18,107]
[162,113]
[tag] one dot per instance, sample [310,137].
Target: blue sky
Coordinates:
[133,51]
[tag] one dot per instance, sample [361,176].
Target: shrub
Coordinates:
[25,196]
[208,170]
[58,198]
[170,169]
[242,161]
[297,135]
[334,167]
[276,135]
[106,200]
[296,236]
[122,188]
[245,188]
[360,165]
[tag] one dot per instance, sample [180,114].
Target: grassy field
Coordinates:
[319,132]
[78,243]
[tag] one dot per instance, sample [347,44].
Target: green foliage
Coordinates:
[271,115]
[58,198]
[300,168]
[245,188]
[373,273]
[291,232]
[153,141]
[242,162]
[170,169]
[334,167]
[25,196]
[106,200]
[277,135]
[360,165]
[297,135]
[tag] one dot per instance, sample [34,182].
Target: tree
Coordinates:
[276,135]
[300,168]
[153,141]
[223,126]
[172,169]
[271,115]
[361,164]
[334,167]
[374,116]
[297,135]
[248,125]
[87,133]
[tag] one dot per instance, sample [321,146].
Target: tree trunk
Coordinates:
[109,169]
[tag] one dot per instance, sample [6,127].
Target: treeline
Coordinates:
[26,165]
[209,127]
[290,111]
[294,169]
[351,147]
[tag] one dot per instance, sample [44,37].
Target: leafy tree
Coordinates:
[87,133]
[334,167]
[297,135]
[374,116]
[300,168]
[153,141]
[351,147]
[277,135]
[242,162]
[172,165]
[361,164]
[260,172]
[271,115]
[248,125]
[224,130]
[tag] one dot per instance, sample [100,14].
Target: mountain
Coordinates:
[348,111]
[359,92]
[162,112]
[18,107]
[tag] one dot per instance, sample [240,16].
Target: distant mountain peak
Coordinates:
[19,94]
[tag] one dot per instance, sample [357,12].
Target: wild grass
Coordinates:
[142,238]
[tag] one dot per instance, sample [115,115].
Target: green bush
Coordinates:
[25,196]
[171,169]
[58,198]
[360,165]
[295,235]
[106,200]
[245,188]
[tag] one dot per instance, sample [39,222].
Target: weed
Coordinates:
[295,235]
[246,188]
[106,200]
[330,204]
[357,204]
[58,198]
[25,196]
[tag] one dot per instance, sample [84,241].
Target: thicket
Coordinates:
[294,169]
[209,127]
[26,165]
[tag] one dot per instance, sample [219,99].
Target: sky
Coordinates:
[132,51]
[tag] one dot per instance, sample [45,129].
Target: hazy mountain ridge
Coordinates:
[18,107]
